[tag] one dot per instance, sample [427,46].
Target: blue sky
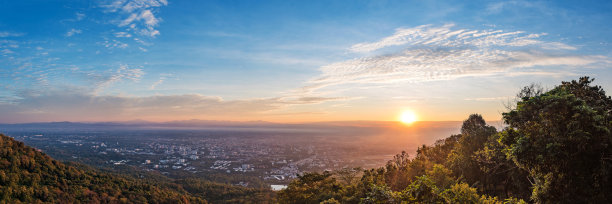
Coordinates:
[290,61]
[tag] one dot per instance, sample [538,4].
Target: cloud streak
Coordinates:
[123,73]
[162,78]
[72,32]
[80,105]
[4,34]
[427,53]
[445,36]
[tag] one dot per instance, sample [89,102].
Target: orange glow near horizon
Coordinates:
[408,117]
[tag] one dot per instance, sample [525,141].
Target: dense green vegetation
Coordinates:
[554,149]
[30,176]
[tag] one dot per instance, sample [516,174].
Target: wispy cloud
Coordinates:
[426,53]
[157,83]
[500,98]
[162,78]
[7,46]
[497,7]
[80,105]
[80,16]
[123,35]
[6,51]
[113,43]
[223,34]
[289,100]
[4,34]
[445,36]
[72,32]
[122,73]
[77,105]
[137,16]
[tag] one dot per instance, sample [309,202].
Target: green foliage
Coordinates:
[502,176]
[224,193]
[330,201]
[380,194]
[29,176]
[397,169]
[312,188]
[441,176]
[474,134]
[422,190]
[461,193]
[562,138]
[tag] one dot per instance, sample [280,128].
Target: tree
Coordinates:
[311,188]
[562,138]
[461,193]
[380,194]
[441,176]
[474,134]
[422,190]
[503,178]
[348,176]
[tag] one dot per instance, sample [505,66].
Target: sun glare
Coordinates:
[408,117]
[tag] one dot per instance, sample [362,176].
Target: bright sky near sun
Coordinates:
[290,61]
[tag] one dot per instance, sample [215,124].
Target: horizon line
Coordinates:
[230,121]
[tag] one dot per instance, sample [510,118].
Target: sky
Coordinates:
[290,61]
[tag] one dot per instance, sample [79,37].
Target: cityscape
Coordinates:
[265,158]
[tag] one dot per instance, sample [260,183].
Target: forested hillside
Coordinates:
[556,148]
[29,176]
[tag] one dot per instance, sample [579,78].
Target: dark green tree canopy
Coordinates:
[562,138]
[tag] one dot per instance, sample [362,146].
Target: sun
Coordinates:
[408,117]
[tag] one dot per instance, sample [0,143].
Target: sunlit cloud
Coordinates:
[78,105]
[81,105]
[427,53]
[162,78]
[310,100]
[445,36]
[500,98]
